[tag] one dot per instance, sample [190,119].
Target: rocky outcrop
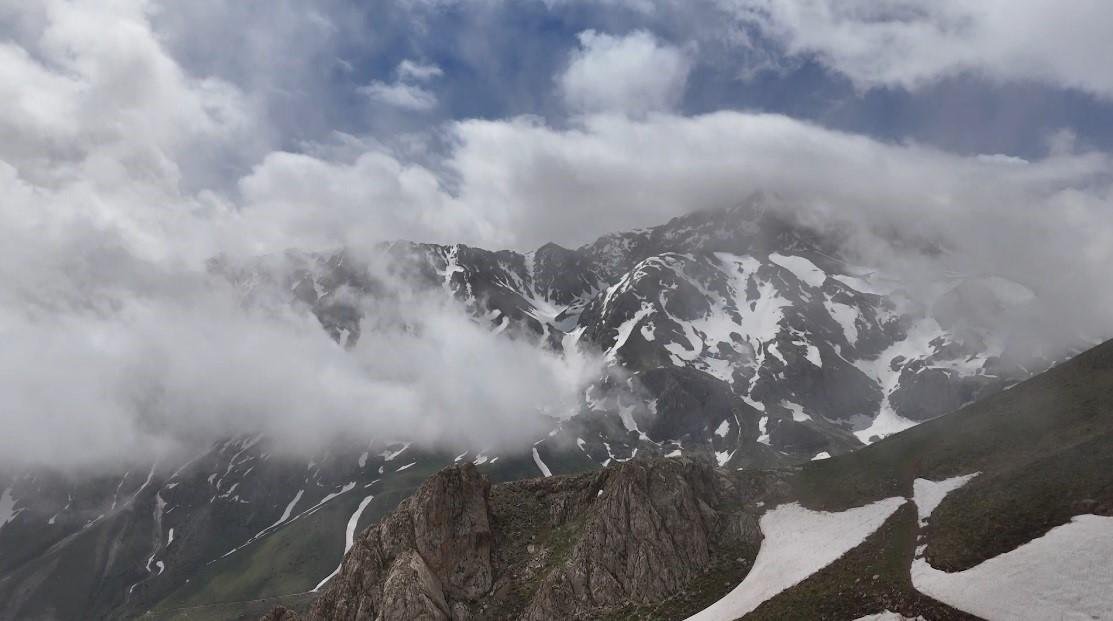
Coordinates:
[574,546]
[653,529]
[435,547]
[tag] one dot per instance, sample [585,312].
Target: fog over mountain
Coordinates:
[135,152]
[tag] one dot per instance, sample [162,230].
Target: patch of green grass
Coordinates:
[869,579]
[294,558]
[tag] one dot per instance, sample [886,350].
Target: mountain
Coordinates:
[735,336]
[1012,496]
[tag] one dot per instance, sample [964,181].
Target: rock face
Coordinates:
[651,531]
[565,547]
[434,548]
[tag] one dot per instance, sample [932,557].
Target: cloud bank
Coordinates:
[908,43]
[122,175]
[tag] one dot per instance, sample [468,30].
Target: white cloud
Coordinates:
[634,74]
[415,71]
[1045,223]
[909,43]
[102,280]
[400,95]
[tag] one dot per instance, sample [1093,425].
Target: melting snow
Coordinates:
[763,429]
[7,508]
[412,463]
[800,267]
[349,538]
[289,508]
[1066,574]
[797,410]
[821,456]
[928,494]
[846,316]
[811,352]
[389,455]
[540,464]
[723,429]
[626,328]
[798,542]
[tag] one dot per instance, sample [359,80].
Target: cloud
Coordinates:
[156,371]
[400,94]
[634,74]
[109,148]
[415,71]
[119,345]
[908,43]
[520,183]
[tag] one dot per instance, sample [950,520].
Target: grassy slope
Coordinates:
[282,566]
[1044,448]
[1045,451]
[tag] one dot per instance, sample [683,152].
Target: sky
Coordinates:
[140,138]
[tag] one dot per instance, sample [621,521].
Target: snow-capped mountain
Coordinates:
[732,335]
[807,353]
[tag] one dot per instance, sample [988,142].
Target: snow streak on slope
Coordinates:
[7,508]
[349,538]
[928,494]
[1066,574]
[540,464]
[798,542]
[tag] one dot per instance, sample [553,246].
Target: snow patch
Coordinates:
[7,508]
[289,508]
[845,315]
[798,542]
[821,456]
[928,494]
[723,429]
[540,464]
[797,410]
[1066,574]
[349,538]
[802,268]
[763,430]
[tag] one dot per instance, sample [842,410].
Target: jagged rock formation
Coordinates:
[566,547]
[435,548]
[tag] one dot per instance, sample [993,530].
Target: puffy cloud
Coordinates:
[413,70]
[634,74]
[297,199]
[400,94]
[908,43]
[1045,223]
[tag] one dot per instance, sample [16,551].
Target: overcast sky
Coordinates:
[138,138]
